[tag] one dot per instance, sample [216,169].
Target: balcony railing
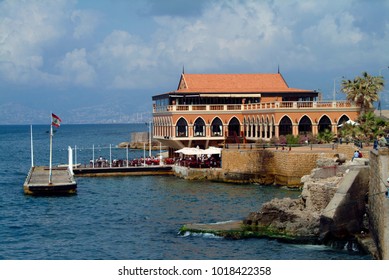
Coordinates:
[288,105]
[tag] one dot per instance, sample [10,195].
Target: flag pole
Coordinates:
[32,148]
[51,150]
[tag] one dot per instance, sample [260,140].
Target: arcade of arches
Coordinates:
[255,127]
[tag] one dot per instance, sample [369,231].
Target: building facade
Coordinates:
[213,109]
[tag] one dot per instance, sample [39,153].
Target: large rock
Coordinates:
[299,218]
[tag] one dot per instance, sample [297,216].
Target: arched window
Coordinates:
[305,125]
[199,128]
[216,127]
[324,123]
[182,128]
[343,119]
[285,126]
[234,127]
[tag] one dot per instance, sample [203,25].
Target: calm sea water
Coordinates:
[125,217]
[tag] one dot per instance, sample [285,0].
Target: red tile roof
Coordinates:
[234,83]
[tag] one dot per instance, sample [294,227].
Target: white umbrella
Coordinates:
[212,151]
[190,151]
[349,122]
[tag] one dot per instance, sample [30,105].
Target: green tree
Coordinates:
[367,128]
[326,136]
[363,90]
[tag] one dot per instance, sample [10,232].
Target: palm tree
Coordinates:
[363,90]
[326,136]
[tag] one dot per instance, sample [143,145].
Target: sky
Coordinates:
[101,61]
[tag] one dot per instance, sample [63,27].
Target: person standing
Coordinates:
[382,140]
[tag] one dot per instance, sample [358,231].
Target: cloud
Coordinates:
[124,60]
[227,34]
[175,7]
[57,42]
[27,29]
[85,22]
[76,69]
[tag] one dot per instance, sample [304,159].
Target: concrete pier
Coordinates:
[37,182]
[124,171]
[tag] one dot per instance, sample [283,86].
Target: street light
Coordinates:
[379,95]
[149,125]
[334,93]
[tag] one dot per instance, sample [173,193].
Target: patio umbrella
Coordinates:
[349,122]
[212,151]
[190,151]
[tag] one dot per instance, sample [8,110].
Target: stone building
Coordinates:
[212,109]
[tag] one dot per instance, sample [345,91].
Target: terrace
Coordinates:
[289,105]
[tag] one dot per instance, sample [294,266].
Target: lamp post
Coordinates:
[334,93]
[379,95]
[149,125]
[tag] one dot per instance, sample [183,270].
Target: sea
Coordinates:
[128,217]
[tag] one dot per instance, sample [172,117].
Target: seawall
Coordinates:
[267,166]
[378,202]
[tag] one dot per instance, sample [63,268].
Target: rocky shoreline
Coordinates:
[301,220]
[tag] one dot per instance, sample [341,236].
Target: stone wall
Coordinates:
[280,167]
[343,216]
[378,202]
[347,150]
[139,137]
[269,166]
[290,167]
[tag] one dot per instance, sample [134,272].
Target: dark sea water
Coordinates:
[125,217]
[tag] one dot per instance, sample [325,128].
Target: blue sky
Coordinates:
[101,60]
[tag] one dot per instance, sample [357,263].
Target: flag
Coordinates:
[55,120]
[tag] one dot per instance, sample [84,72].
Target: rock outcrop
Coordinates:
[300,218]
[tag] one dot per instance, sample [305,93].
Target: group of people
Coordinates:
[380,141]
[103,162]
[357,154]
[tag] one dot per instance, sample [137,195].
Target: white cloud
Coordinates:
[228,33]
[76,69]
[124,60]
[28,28]
[226,36]
[85,23]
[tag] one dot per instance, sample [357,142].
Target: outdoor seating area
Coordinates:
[105,163]
[199,158]
[192,162]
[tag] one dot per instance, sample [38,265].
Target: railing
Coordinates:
[290,105]
[256,146]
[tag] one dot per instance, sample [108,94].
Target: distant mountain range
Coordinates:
[113,112]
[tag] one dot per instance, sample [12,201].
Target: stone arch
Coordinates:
[246,125]
[257,127]
[267,127]
[273,127]
[217,127]
[305,125]
[199,127]
[234,127]
[324,123]
[343,119]
[263,125]
[285,126]
[182,128]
